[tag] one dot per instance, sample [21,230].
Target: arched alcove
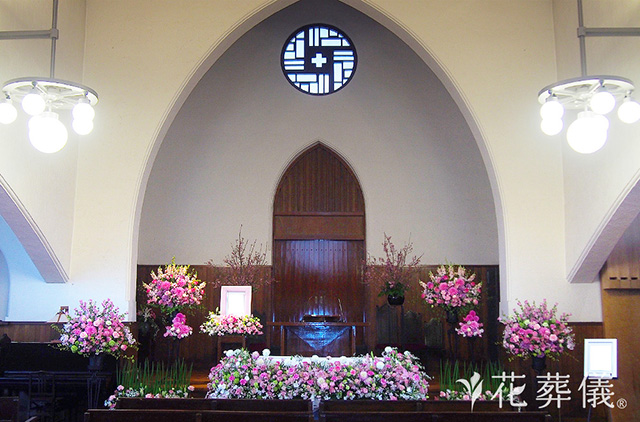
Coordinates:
[318,239]
[226,148]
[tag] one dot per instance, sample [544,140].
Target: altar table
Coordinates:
[317,334]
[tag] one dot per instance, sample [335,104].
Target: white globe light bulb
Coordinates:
[551,126]
[47,133]
[33,103]
[602,102]
[588,133]
[82,127]
[629,111]
[83,111]
[552,109]
[8,112]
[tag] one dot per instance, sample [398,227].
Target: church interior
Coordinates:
[425,134]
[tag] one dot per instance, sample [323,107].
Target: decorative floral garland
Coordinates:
[96,330]
[394,376]
[220,325]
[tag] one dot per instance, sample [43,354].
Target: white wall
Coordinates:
[418,164]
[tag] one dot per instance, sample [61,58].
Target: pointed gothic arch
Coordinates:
[318,238]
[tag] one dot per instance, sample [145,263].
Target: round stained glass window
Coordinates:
[319,59]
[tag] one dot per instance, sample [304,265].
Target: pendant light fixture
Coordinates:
[42,98]
[592,96]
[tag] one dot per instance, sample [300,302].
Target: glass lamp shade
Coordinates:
[47,133]
[82,127]
[33,103]
[83,111]
[551,109]
[629,111]
[588,133]
[602,102]
[551,126]
[8,112]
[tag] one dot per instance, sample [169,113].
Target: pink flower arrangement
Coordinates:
[95,330]
[174,288]
[471,326]
[451,289]
[393,376]
[537,331]
[220,325]
[178,328]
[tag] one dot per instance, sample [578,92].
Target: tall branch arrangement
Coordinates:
[245,266]
[394,271]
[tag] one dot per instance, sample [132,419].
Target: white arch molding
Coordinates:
[30,236]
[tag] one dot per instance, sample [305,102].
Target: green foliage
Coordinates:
[155,377]
[451,372]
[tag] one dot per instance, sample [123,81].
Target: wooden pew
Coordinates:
[9,409]
[411,405]
[422,416]
[171,415]
[215,404]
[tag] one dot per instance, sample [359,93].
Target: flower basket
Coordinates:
[96,330]
[537,331]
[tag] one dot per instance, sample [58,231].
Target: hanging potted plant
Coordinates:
[393,272]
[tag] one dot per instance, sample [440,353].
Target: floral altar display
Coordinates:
[394,272]
[537,331]
[175,290]
[393,376]
[220,325]
[453,291]
[96,330]
[152,381]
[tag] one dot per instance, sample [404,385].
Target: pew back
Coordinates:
[428,416]
[172,415]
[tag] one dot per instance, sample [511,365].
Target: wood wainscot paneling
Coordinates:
[620,281]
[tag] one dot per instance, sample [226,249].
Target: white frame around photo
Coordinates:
[235,300]
[601,358]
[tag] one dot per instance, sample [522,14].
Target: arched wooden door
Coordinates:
[318,239]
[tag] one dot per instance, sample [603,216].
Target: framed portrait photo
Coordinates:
[235,300]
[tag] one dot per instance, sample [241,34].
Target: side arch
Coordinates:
[30,236]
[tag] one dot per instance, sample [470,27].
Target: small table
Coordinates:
[226,339]
[285,326]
